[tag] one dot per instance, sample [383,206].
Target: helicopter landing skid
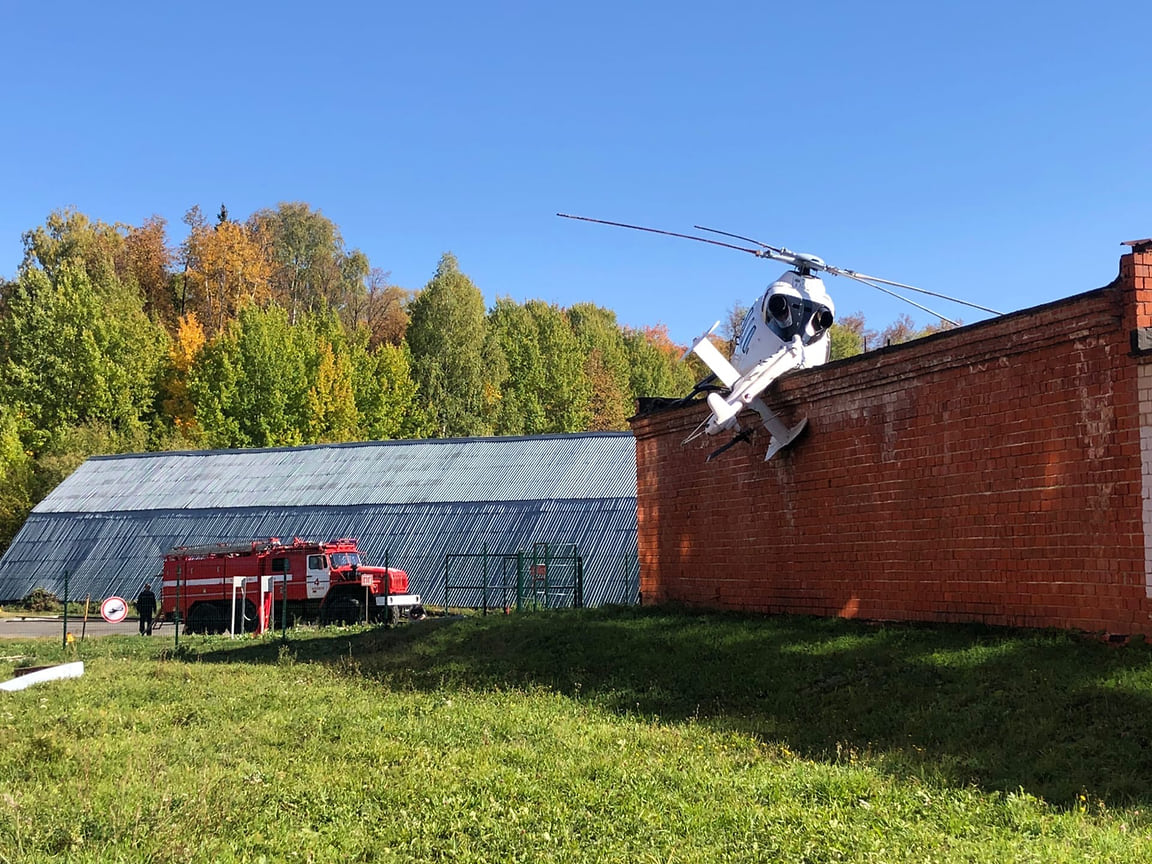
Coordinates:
[779,443]
[745,436]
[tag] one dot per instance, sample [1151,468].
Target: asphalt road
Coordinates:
[34,628]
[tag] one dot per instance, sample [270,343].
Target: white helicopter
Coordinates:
[785,329]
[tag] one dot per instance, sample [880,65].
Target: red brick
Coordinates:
[991,473]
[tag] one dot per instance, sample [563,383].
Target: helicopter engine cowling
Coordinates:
[779,310]
[796,304]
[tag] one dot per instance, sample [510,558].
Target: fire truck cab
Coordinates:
[257,585]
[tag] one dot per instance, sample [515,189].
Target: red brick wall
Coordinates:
[992,473]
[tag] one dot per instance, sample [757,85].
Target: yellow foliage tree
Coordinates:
[185,347]
[148,260]
[226,267]
[332,414]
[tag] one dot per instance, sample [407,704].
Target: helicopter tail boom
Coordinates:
[750,386]
[713,359]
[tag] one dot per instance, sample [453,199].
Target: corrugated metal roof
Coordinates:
[593,465]
[111,522]
[114,553]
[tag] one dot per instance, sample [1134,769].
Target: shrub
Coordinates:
[41,600]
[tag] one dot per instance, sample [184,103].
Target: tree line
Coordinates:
[271,332]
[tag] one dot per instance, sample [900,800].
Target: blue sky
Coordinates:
[995,151]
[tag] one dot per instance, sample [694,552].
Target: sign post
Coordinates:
[366,581]
[237,583]
[176,611]
[65,607]
[284,604]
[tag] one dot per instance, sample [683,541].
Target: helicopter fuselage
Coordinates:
[796,304]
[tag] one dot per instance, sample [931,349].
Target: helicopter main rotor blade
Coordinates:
[888,291]
[852,274]
[778,250]
[759,253]
[791,258]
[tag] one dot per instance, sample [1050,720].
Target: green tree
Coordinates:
[79,359]
[16,481]
[566,391]
[386,394]
[312,268]
[70,237]
[72,354]
[458,370]
[330,409]
[606,367]
[849,336]
[654,364]
[250,385]
[521,409]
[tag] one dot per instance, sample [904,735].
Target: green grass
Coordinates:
[607,735]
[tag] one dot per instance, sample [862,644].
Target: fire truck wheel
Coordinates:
[204,618]
[343,610]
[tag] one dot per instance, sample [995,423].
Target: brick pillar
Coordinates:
[1135,284]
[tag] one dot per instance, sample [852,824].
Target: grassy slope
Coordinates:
[609,735]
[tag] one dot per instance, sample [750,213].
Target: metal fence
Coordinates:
[546,576]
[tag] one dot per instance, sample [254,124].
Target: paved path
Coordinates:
[34,628]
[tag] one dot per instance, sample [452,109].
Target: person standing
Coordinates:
[146,606]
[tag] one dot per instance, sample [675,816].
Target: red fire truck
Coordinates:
[257,585]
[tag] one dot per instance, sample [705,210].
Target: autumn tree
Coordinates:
[147,261]
[179,409]
[904,329]
[225,269]
[730,328]
[381,310]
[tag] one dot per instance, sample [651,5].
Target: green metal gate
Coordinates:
[551,576]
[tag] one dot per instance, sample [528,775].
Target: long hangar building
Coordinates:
[416,504]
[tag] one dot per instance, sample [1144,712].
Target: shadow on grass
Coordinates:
[1052,713]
